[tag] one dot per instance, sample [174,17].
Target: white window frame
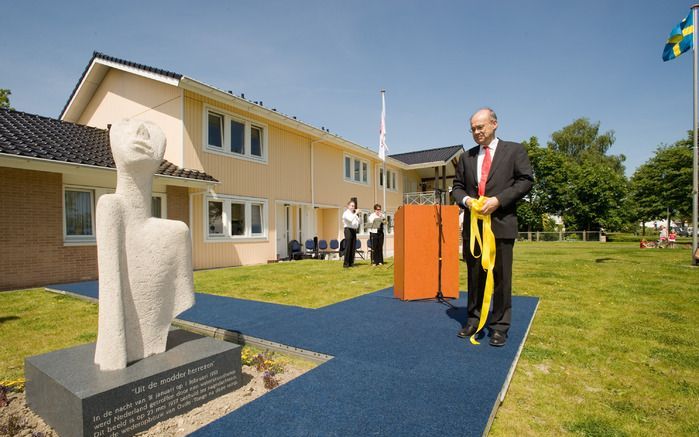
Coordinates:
[392,216]
[391,176]
[95,194]
[247,146]
[363,174]
[363,228]
[163,203]
[227,200]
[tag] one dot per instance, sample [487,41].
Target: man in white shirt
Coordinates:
[350,219]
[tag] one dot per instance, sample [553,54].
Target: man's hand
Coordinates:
[490,205]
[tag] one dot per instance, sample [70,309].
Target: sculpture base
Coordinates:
[74,397]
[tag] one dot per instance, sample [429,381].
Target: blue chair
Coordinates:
[295,250]
[358,247]
[310,248]
[334,247]
[323,248]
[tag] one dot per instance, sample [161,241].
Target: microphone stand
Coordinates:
[440,297]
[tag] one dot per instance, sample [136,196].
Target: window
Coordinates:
[241,137]
[389,223]
[215,218]
[158,206]
[256,141]
[215,130]
[79,213]
[390,179]
[356,170]
[237,137]
[236,218]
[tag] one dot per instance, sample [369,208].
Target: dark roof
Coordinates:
[441,154]
[35,136]
[99,55]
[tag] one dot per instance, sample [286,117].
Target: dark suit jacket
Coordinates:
[510,178]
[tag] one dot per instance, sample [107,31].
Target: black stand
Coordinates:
[440,296]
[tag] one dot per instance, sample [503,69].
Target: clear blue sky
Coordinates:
[539,64]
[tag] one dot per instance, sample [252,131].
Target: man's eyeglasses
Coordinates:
[478,128]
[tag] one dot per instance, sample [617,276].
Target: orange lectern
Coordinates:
[416,252]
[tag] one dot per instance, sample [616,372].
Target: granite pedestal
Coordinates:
[76,398]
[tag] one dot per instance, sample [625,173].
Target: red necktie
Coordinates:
[485,169]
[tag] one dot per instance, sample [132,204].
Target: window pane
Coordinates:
[393,177]
[78,212]
[237,137]
[256,141]
[348,167]
[365,171]
[381,177]
[256,219]
[156,207]
[215,218]
[357,176]
[237,219]
[215,130]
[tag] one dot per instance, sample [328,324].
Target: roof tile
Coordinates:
[47,138]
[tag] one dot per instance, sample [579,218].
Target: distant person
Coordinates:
[377,219]
[350,219]
[662,238]
[671,239]
[499,170]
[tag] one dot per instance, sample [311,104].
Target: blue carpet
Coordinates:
[398,367]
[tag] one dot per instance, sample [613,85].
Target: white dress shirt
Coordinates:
[481,157]
[350,219]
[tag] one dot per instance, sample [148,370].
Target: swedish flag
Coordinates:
[680,39]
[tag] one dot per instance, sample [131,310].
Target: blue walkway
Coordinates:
[398,367]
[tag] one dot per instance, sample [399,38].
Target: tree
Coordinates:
[5,99]
[664,181]
[582,141]
[577,180]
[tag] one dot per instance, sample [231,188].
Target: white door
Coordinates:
[282,231]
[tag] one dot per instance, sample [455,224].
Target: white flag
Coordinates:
[382,130]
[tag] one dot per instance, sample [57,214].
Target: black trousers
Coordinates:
[376,247]
[501,301]
[350,249]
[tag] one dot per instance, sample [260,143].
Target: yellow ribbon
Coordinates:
[487,249]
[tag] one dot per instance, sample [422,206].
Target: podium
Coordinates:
[416,252]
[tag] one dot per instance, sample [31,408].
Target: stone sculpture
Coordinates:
[145,263]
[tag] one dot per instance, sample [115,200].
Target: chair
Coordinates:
[310,249]
[323,248]
[334,248]
[369,250]
[358,246]
[295,251]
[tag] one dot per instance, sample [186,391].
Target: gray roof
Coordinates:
[30,135]
[441,154]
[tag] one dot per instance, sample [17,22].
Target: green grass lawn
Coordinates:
[613,351]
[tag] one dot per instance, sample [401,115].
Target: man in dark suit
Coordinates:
[499,170]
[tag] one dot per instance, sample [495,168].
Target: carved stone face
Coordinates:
[137,145]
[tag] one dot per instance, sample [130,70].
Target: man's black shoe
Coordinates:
[468,331]
[498,339]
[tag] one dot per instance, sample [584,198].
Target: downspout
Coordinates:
[313,184]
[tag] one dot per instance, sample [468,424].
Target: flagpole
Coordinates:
[695,167]
[385,179]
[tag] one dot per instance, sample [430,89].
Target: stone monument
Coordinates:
[138,373]
[145,263]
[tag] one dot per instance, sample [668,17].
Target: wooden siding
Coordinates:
[125,95]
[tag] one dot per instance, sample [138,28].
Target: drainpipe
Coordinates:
[313,177]
[191,210]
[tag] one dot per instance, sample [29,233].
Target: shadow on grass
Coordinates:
[8,318]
